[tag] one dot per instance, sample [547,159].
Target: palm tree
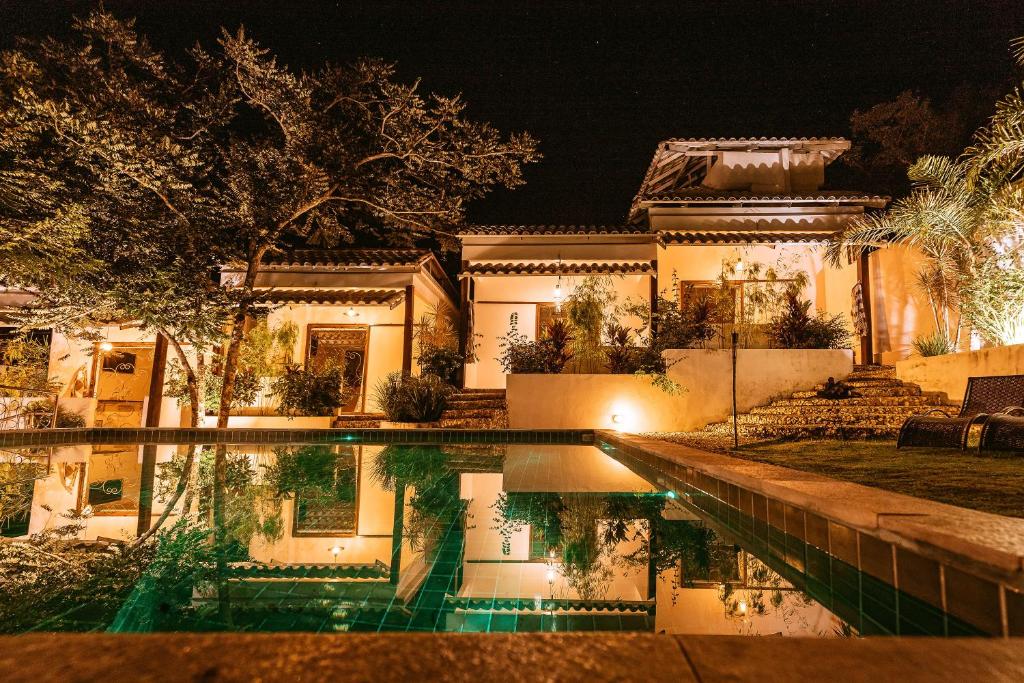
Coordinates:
[966,217]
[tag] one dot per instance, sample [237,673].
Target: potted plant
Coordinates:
[412,402]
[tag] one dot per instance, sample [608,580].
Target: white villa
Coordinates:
[707,210]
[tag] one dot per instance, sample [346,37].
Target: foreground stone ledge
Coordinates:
[967,536]
[73,658]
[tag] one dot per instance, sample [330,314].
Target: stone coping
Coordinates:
[16,438]
[950,533]
[226,657]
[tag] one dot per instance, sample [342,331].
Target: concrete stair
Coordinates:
[467,409]
[882,404]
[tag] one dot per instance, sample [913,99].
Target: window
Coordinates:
[547,314]
[120,362]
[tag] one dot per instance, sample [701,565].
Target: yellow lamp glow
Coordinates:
[106,347]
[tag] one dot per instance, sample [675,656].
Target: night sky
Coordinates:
[601,84]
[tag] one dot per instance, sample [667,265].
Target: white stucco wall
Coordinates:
[829,288]
[900,309]
[590,401]
[497,298]
[949,373]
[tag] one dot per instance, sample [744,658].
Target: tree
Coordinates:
[966,216]
[100,189]
[890,136]
[230,153]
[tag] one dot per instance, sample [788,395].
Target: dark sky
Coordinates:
[601,84]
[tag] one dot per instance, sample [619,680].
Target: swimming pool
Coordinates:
[352,535]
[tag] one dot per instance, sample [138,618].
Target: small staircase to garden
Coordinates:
[467,409]
[880,407]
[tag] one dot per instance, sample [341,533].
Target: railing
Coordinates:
[15,414]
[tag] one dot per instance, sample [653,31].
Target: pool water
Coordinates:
[346,537]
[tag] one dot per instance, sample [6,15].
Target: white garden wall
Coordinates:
[949,373]
[591,401]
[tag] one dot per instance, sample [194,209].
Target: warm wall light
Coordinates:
[618,419]
[336,550]
[351,312]
[106,347]
[739,267]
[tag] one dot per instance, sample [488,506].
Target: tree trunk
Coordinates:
[227,394]
[193,397]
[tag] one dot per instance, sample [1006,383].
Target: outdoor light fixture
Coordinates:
[336,550]
[618,419]
[739,267]
[351,312]
[106,347]
[742,607]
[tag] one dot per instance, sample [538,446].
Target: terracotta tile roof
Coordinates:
[335,297]
[349,258]
[678,168]
[594,268]
[550,230]
[742,237]
[761,140]
[703,194]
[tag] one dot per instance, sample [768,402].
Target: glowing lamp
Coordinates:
[739,267]
[106,347]
[551,575]
[742,607]
[670,494]
[351,312]
[336,550]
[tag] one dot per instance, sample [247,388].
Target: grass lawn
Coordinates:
[983,483]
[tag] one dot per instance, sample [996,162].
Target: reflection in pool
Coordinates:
[381,538]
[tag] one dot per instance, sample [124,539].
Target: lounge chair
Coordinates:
[1003,432]
[985,396]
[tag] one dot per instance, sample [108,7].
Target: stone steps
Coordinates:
[880,408]
[923,401]
[900,390]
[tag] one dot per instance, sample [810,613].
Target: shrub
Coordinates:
[548,355]
[795,328]
[309,391]
[622,353]
[586,310]
[440,361]
[412,399]
[66,419]
[937,344]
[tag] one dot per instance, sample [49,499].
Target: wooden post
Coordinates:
[396,531]
[654,297]
[867,350]
[156,395]
[463,324]
[407,341]
[735,424]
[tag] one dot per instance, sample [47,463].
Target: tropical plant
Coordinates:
[412,399]
[586,310]
[795,328]
[318,475]
[936,344]
[438,345]
[966,217]
[310,390]
[547,355]
[66,419]
[622,352]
